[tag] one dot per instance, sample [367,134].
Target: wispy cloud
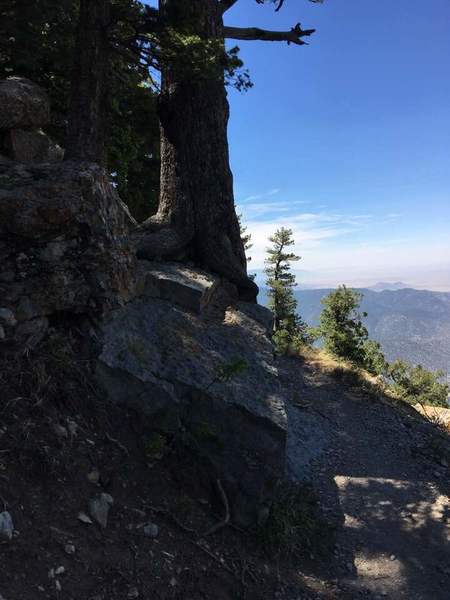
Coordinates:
[261,196]
[339,246]
[310,229]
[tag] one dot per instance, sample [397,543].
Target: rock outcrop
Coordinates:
[203,370]
[174,342]
[25,109]
[63,247]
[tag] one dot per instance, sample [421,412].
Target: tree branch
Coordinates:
[293,36]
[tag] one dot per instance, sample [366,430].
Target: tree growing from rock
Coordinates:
[289,329]
[196,218]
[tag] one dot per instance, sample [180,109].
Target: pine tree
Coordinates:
[246,237]
[341,325]
[289,329]
[417,385]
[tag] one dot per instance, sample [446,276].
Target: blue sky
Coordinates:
[347,140]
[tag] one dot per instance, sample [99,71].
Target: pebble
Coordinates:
[392,557]
[69,549]
[133,593]
[93,476]
[60,431]
[72,427]
[99,508]
[151,530]
[6,525]
[84,518]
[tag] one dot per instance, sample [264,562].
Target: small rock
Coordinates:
[59,570]
[60,431]
[6,525]
[69,549]
[173,582]
[151,530]
[93,476]
[72,427]
[84,518]
[133,593]
[7,316]
[392,557]
[99,509]
[437,474]
[58,586]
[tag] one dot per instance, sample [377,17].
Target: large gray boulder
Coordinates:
[24,105]
[177,283]
[210,376]
[31,146]
[24,110]
[63,246]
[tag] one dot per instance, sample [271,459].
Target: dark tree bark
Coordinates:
[196,218]
[85,137]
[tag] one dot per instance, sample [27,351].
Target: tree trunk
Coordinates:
[196,218]
[85,137]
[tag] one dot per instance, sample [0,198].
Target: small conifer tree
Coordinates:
[289,329]
[344,334]
[341,326]
[246,237]
[417,385]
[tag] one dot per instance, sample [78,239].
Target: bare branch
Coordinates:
[293,36]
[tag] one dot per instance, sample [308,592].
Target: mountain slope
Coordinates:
[410,324]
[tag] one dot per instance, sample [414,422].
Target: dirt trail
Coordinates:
[381,477]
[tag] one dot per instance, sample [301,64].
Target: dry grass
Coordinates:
[362,381]
[343,371]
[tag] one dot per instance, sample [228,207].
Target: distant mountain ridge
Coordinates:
[382,286]
[410,324]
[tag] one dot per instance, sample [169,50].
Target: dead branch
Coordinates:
[293,36]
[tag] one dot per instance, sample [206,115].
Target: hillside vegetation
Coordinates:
[413,325]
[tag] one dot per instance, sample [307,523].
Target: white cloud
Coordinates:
[332,251]
[271,192]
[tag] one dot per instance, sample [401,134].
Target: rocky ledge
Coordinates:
[201,366]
